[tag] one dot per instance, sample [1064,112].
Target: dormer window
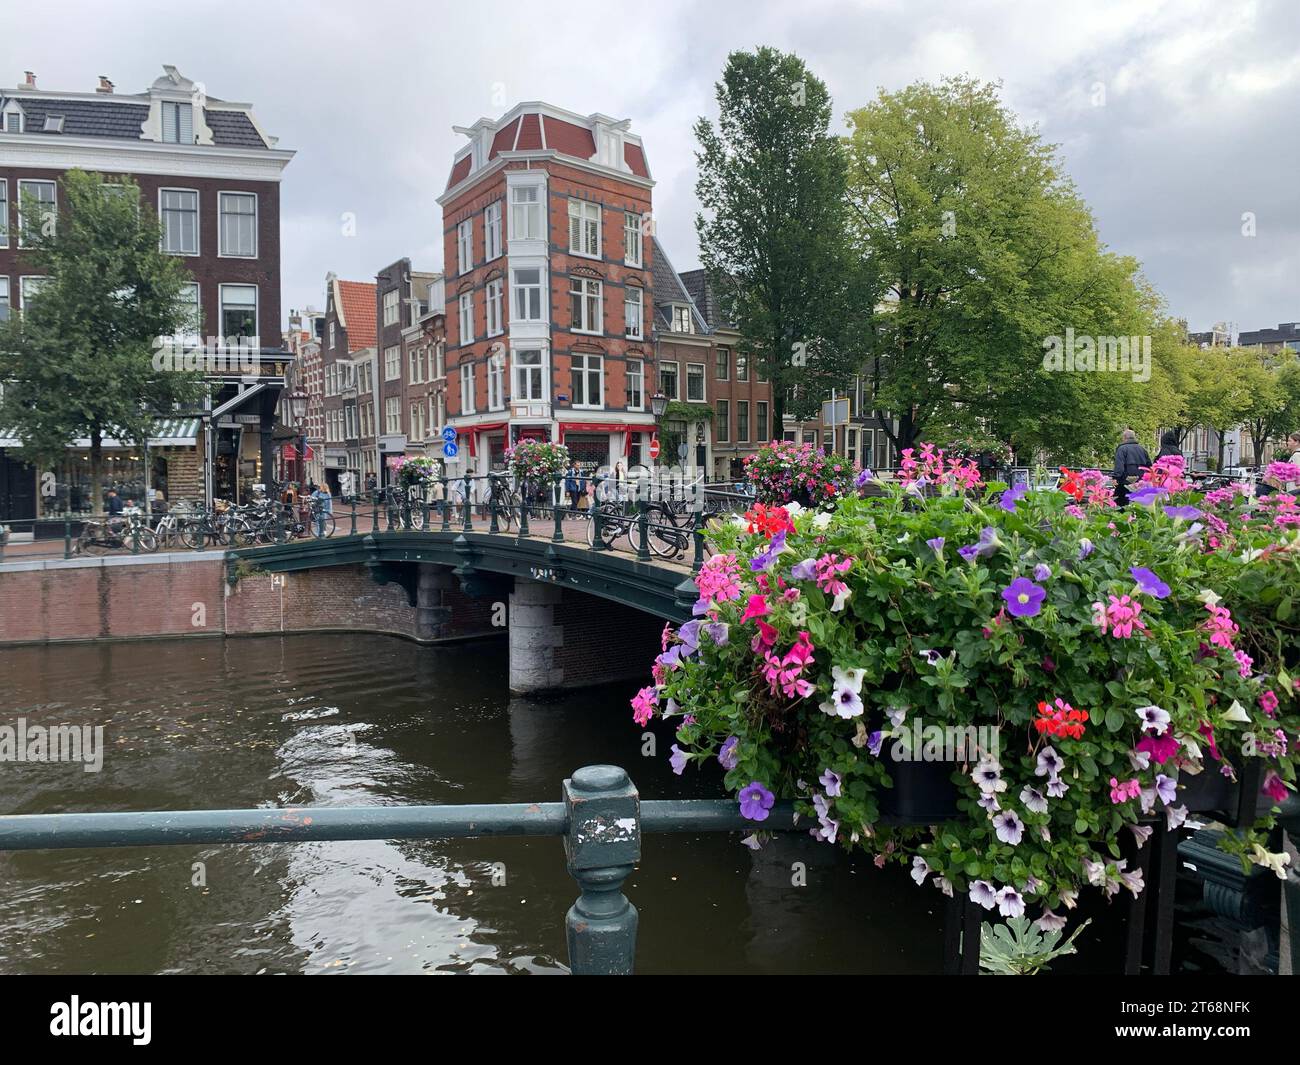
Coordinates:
[53,123]
[13,120]
[177,123]
[682,321]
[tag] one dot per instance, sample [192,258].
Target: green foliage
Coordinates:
[679,410]
[1019,948]
[772,233]
[969,226]
[79,360]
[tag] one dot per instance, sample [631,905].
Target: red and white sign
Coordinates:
[654,446]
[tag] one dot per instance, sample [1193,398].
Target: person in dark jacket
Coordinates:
[1169,444]
[575,484]
[113,503]
[1131,459]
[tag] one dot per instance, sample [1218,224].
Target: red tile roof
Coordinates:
[530,133]
[355,301]
[460,171]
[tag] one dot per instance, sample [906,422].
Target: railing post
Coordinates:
[374,511]
[523,506]
[643,530]
[67,538]
[135,535]
[597,522]
[493,503]
[697,535]
[279,522]
[446,504]
[558,536]
[468,525]
[602,847]
[353,531]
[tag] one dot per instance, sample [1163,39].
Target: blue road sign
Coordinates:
[449,433]
[449,450]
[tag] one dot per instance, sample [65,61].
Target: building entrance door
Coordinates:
[17,489]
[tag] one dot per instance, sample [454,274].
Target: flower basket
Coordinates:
[1095,657]
[923,793]
[537,460]
[785,472]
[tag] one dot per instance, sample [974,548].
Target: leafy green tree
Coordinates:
[772,233]
[968,226]
[1218,394]
[80,360]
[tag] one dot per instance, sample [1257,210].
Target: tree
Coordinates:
[772,237]
[967,225]
[80,359]
[1218,394]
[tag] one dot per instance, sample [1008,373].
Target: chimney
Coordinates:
[29,79]
[105,86]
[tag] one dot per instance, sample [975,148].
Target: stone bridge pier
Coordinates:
[563,638]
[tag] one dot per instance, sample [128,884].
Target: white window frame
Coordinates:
[518,310]
[465,309]
[5,302]
[682,321]
[54,204]
[392,307]
[525,374]
[677,378]
[633,322]
[639,376]
[632,239]
[23,279]
[198,222]
[495,298]
[467,386]
[700,376]
[393,362]
[465,245]
[180,107]
[529,211]
[221,226]
[496,382]
[415,360]
[196,331]
[584,227]
[586,370]
[583,295]
[492,244]
[221,306]
[4,212]
[392,415]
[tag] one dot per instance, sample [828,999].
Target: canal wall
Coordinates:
[186,594]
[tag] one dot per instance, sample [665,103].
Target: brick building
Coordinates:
[212,175]
[424,356]
[402,299]
[348,379]
[304,458]
[548,288]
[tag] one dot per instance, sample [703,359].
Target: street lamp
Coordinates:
[298,400]
[658,404]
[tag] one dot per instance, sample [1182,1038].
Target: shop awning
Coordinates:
[167,432]
[473,431]
[601,427]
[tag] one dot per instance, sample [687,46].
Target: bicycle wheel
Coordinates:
[146,539]
[666,540]
[323,526]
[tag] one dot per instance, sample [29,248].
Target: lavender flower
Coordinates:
[1146,494]
[982,894]
[755,801]
[1166,788]
[727,757]
[1042,572]
[678,760]
[1153,717]
[1011,497]
[920,870]
[717,631]
[1050,922]
[830,780]
[1148,582]
[935,545]
[805,570]
[1049,763]
[1023,597]
[1010,904]
[1187,512]
[1009,827]
[1085,548]
[765,560]
[1034,800]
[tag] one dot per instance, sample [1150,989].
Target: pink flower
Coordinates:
[1244,662]
[1274,787]
[1120,617]
[1161,748]
[643,705]
[719,579]
[757,608]
[1220,626]
[1268,702]
[1122,792]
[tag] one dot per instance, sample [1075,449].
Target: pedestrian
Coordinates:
[1131,459]
[323,504]
[159,505]
[113,503]
[1293,446]
[574,485]
[1169,444]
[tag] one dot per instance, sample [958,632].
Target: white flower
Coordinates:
[739,522]
[1267,860]
[840,599]
[822,520]
[1010,904]
[1153,717]
[920,869]
[944,885]
[1209,598]
[982,894]
[852,678]
[1050,922]
[1033,799]
[793,509]
[1236,712]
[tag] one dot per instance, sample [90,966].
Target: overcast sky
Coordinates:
[1198,124]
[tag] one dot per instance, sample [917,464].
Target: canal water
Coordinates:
[343,720]
[339,720]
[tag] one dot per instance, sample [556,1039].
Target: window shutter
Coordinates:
[575,227]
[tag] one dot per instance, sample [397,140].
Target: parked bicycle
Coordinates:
[126,532]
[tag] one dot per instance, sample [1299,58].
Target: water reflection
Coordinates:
[357,720]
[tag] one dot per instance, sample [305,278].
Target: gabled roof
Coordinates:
[669,290]
[354,303]
[696,282]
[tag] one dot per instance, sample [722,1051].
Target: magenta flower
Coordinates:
[643,705]
[1023,597]
[1160,748]
[755,801]
[1274,787]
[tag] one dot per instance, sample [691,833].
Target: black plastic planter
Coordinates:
[923,793]
[1233,803]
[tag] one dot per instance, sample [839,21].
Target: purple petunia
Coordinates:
[755,801]
[1011,497]
[1009,827]
[983,894]
[717,632]
[1023,597]
[935,545]
[805,570]
[1085,548]
[1042,571]
[1147,493]
[764,560]
[678,760]
[1188,512]
[1149,582]
[727,753]
[830,780]
[863,478]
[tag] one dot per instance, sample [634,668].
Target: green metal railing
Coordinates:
[601,819]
